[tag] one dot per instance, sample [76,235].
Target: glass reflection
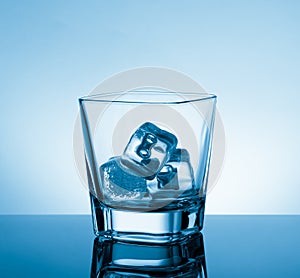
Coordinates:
[114,259]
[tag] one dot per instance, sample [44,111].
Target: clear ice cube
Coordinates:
[175,178]
[119,184]
[180,160]
[147,150]
[167,178]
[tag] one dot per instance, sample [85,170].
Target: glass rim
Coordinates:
[112,97]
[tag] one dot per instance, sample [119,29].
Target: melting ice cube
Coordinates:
[118,184]
[148,150]
[167,178]
[180,160]
[175,178]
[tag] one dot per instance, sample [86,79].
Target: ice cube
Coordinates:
[167,178]
[118,184]
[148,150]
[175,178]
[180,160]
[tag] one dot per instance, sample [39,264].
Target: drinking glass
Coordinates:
[147,155]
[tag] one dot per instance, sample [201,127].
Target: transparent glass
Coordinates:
[147,158]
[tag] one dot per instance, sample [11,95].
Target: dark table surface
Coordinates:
[235,246]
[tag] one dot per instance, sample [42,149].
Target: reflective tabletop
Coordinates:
[229,246]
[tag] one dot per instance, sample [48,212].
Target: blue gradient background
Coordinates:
[247,52]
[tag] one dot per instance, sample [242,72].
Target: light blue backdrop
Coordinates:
[247,52]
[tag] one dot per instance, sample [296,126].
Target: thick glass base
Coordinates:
[160,226]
